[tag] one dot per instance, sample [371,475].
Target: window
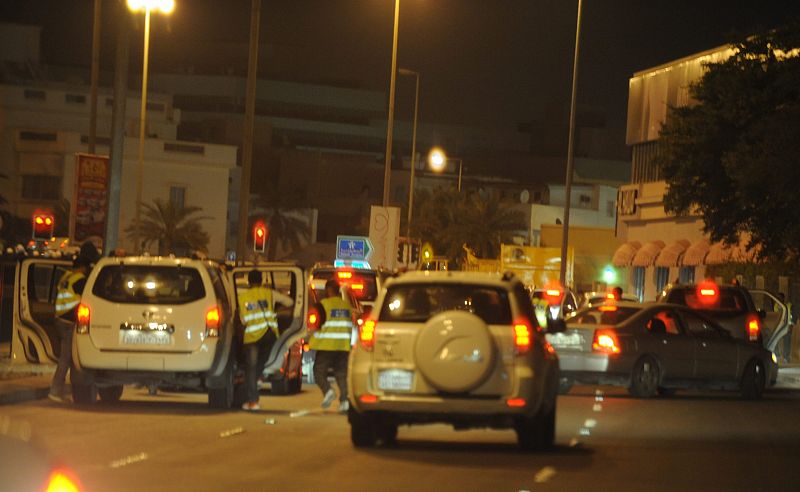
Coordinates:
[219,291]
[177,197]
[638,281]
[669,321]
[184,148]
[38,136]
[611,207]
[699,327]
[75,98]
[416,303]
[686,275]
[128,284]
[661,275]
[41,187]
[35,94]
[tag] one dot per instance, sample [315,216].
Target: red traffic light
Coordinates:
[43,226]
[260,235]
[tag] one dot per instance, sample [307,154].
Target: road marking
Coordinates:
[299,413]
[544,474]
[231,432]
[598,395]
[590,423]
[269,421]
[585,432]
[598,407]
[129,460]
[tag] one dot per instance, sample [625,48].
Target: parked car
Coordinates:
[462,348]
[595,298]
[656,348]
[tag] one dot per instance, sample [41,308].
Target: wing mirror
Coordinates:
[557,325]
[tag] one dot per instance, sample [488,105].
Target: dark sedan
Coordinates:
[657,348]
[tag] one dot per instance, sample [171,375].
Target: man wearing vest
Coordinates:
[332,343]
[260,322]
[69,290]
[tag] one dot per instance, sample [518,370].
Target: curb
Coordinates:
[23,395]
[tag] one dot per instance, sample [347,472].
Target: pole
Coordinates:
[117,131]
[413,157]
[570,152]
[142,118]
[460,166]
[95,76]
[247,137]
[387,171]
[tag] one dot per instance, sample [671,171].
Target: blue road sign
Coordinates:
[353,247]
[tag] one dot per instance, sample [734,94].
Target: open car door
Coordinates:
[35,337]
[284,362]
[776,317]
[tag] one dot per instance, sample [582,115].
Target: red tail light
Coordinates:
[61,480]
[313,319]
[515,402]
[753,327]
[708,292]
[523,336]
[368,398]
[212,322]
[344,275]
[605,341]
[83,317]
[366,334]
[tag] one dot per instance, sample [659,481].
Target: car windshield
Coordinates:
[419,302]
[603,315]
[363,283]
[142,284]
[724,301]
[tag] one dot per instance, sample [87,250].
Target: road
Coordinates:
[606,441]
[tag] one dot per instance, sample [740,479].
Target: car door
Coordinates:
[716,352]
[775,317]
[289,280]
[35,337]
[674,348]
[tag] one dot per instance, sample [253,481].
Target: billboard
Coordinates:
[89,211]
[384,230]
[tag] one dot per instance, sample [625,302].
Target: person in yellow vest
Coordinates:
[332,345]
[260,322]
[69,290]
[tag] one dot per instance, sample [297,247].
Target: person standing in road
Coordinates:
[260,322]
[68,297]
[332,344]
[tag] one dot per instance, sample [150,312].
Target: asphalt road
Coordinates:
[606,441]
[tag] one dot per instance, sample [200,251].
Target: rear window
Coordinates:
[603,315]
[363,283]
[419,302]
[145,284]
[728,301]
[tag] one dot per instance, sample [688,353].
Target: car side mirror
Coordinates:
[556,325]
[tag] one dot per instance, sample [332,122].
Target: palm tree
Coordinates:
[486,223]
[176,230]
[285,228]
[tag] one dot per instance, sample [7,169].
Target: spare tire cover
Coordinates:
[454,351]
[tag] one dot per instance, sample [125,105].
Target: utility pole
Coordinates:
[95,76]
[387,170]
[247,138]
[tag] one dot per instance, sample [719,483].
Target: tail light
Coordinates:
[83,317]
[605,341]
[212,322]
[366,334]
[368,398]
[344,275]
[708,292]
[515,402]
[62,481]
[753,327]
[523,336]
[313,319]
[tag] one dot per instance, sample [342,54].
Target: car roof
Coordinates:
[433,276]
[151,260]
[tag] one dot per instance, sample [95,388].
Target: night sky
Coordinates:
[494,63]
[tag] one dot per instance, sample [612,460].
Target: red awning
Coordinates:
[670,255]
[647,254]
[696,253]
[625,253]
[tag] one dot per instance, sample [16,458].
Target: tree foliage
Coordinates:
[733,156]
[176,230]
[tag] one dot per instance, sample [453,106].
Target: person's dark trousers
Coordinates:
[331,359]
[65,329]
[255,355]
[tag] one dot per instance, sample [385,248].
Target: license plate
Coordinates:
[395,380]
[563,340]
[145,338]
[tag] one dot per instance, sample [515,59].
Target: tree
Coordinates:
[176,230]
[285,228]
[733,156]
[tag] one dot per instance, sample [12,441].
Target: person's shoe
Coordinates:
[57,398]
[251,406]
[328,399]
[344,406]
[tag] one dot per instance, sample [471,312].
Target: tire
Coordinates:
[564,386]
[645,378]
[537,433]
[84,394]
[754,380]
[222,398]
[363,431]
[280,386]
[110,394]
[387,433]
[296,384]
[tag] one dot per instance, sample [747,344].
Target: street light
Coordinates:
[404,71]
[166,7]
[437,159]
[387,170]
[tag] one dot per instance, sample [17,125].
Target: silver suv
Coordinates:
[453,347]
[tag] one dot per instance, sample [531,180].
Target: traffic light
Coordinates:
[401,252]
[414,252]
[43,225]
[427,252]
[260,235]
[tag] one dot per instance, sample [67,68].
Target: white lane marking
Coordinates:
[299,413]
[231,432]
[585,432]
[598,407]
[269,421]
[544,474]
[129,460]
[590,423]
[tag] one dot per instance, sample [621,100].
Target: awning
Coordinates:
[696,253]
[670,255]
[647,254]
[625,253]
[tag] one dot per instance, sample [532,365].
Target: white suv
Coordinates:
[453,347]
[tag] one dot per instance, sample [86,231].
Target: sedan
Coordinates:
[657,348]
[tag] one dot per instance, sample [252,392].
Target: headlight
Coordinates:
[774,359]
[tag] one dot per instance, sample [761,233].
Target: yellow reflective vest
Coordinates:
[335,332]
[540,307]
[256,310]
[66,297]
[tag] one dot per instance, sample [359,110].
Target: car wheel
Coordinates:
[754,380]
[387,433]
[84,393]
[564,386]
[110,394]
[645,378]
[362,429]
[280,386]
[222,397]
[537,433]
[296,384]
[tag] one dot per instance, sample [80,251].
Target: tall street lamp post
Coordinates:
[166,7]
[387,170]
[438,161]
[404,71]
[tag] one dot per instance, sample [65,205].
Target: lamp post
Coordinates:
[438,161]
[166,7]
[404,71]
[387,170]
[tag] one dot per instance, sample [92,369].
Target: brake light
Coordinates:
[62,481]
[368,398]
[605,308]
[753,327]
[708,292]
[366,334]
[553,295]
[357,287]
[83,317]
[212,322]
[313,319]
[522,336]
[611,296]
[605,341]
[344,275]
[515,402]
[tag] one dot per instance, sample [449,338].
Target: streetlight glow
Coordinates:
[164,6]
[437,159]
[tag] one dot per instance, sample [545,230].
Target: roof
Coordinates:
[433,276]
